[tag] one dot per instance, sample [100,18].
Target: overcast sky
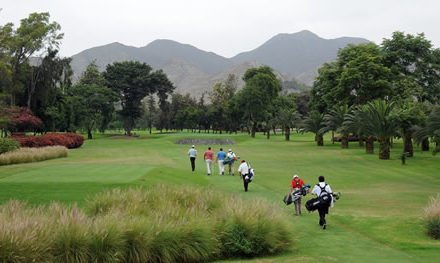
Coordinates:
[226,27]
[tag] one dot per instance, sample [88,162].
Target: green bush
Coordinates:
[162,224]
[432,217]
[7,145]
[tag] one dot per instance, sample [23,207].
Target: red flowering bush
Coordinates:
[69,140]
[19,119]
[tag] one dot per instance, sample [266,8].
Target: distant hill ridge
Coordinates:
[192,70]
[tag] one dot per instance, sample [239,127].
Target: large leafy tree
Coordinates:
[35,35]
[256,98]
[415,66]
[133,81]
[220,98]
[92,103]
[356,77]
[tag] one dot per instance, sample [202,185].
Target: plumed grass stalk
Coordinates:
[27,155]
[23,234]
[432,217]
[160,224]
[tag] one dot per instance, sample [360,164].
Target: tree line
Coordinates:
[369,92]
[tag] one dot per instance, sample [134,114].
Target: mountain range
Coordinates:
[293,56]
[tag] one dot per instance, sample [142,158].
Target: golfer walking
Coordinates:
[192,153]
[320,189]
[208,156]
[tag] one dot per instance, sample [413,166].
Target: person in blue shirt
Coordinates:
[221,155]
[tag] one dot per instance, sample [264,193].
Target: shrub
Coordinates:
[432,217]
[7,145]
[139,225]
[28,155]
[69,140]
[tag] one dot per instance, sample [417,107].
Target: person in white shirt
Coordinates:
[192,153]
[231,159]
[244,170]
[320,189]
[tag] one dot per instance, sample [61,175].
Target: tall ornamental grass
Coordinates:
[432,217]
[28,155]
[162,224]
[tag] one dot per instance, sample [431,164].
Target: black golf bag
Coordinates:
[321,201]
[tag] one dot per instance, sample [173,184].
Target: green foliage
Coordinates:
[432,217]
[432,129]
[34,34]
[414,65]
[133,81]
[256,98]
[7,145]
[358,76]
[315,124]
[380,123]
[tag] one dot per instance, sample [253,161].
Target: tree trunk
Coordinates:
[89,134]
[268,133]
[344,142]
[361,141]
[319,140]
[369,145]
[408,149]
[253,130]
[384,152]
[333,137]
[287,133]
[425,145]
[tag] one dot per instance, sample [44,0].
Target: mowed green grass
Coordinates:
[377,219]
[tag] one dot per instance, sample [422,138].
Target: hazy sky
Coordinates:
[226,27]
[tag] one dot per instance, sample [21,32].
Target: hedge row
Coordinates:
[69,140]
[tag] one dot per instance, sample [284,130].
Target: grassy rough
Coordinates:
[160,224]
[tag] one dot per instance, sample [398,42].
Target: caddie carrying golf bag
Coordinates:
[323,200]
[292,197]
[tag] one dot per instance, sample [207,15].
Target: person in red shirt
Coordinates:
[296,184]
[208,156]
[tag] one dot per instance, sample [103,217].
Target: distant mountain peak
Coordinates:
[292,55]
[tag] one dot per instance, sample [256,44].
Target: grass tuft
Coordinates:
[160,224]
[28,155]
[432,217]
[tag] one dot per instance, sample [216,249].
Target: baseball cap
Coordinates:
[192,146]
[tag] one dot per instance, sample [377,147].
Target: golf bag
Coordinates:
[292,197]
[321,201]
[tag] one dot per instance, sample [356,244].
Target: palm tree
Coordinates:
[314,123]
[380,123]
[286,114]
[432,129]
[354,122]
[333,121]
